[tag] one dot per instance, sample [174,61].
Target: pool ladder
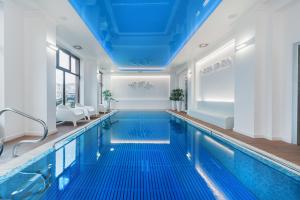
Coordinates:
[44,125]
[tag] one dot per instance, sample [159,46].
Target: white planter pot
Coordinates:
[107,105]
[173,105]
[178,106]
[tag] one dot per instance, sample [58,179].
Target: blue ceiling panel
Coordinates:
[143,33]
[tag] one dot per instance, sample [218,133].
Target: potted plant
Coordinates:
[107,98]
[179,95]
[172,99]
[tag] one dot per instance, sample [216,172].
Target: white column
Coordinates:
[40,63]
[1,68]
[13,68]
[191,85]
[244,73]
[90,82]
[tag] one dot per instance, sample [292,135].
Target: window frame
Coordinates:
[64,70]
[100,83]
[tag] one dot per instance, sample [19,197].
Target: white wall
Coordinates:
[155,97]
[1,67]
[266,101]
[13,68]
[265,72]
[244,91]
[40,63]
[215,81]
[51,75]
[28,70]
[286,32]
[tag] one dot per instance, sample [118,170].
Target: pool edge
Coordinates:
[15,165]
[288,166]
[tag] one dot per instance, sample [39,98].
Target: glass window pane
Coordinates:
[73,65]
[64,60]
[71,89]
[77,66]
[59,87]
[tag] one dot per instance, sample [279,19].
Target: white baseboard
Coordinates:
[29,133]
[36,133]
[242,132]
[277,138]
[271,138]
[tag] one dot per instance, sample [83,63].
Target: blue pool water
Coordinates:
[149,155]
[137,33]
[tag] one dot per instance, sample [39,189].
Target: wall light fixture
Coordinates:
[244,44]
[52,46]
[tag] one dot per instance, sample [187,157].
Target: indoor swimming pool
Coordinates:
[149,155]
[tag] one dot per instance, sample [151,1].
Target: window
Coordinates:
[67,78]
[71,85]
[64,59]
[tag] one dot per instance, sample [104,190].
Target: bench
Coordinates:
[217,113]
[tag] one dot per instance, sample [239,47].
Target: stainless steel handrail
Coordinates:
[45,134]
[65,137]
[1,145]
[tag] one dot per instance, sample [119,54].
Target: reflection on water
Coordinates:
[190,165]
[140,131]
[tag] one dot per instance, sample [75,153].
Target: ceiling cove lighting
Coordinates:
[217,100]
[152,69]
[140,77]
[144,33]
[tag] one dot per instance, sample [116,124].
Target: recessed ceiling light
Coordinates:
[203,45]
[78,47]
